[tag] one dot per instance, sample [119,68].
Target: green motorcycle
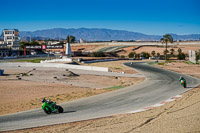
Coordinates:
[183,82]
[51,107]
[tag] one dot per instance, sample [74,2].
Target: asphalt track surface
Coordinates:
[159,85]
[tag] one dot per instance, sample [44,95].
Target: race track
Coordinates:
[159,85]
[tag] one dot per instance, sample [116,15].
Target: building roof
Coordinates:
[12,29]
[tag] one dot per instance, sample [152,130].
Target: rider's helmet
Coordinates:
[43,100]
[181,77]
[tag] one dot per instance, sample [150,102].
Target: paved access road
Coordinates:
[158,86]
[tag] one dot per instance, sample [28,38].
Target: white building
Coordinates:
[9,42]
[11,38]
[82,41]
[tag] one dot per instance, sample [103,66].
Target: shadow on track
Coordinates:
[69,112]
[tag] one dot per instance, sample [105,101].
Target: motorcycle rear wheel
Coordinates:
[184,85]
[60,109]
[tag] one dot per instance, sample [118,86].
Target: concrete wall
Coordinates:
[57,60]
[67,66]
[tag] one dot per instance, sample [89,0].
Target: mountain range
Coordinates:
[97,34]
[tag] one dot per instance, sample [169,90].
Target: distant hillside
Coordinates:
[96,34]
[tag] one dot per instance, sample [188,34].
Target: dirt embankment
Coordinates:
[179,116]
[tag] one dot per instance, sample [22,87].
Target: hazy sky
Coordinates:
[155,17]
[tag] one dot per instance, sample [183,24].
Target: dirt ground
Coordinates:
[149,49]
[179,116]
[86,48]
[159,49]
[181,67]
[23,88]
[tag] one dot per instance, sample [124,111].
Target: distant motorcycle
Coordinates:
[182,81]
[51,107]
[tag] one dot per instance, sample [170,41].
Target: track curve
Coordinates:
[159,85]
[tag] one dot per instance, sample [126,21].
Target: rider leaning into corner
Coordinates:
[181,78]
[183,81]
[49,102]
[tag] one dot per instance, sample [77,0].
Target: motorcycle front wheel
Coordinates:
[47,110]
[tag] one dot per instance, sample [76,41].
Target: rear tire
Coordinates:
[60,109]
[47,110]
[184,85]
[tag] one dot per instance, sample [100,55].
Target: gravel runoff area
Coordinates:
[181,115]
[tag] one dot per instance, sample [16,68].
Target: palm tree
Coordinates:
[153,53]
[167,38]
[71,39]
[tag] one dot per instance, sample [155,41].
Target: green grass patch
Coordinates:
[151,63]
[114,88]
[117,68]
[189,62]
[169,61]
[161,63]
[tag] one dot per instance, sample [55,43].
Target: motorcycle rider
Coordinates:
[181,78]
[49,102]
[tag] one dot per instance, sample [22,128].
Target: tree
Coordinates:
[181,55]
[197,56]
[122,56]
[158,54]
[165,52]
[70,39]
[145,55]
[98,54]
[167,38]
[153,53]
[172,51]
[34,43]
[131,55]
[179,51]
[23,44]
